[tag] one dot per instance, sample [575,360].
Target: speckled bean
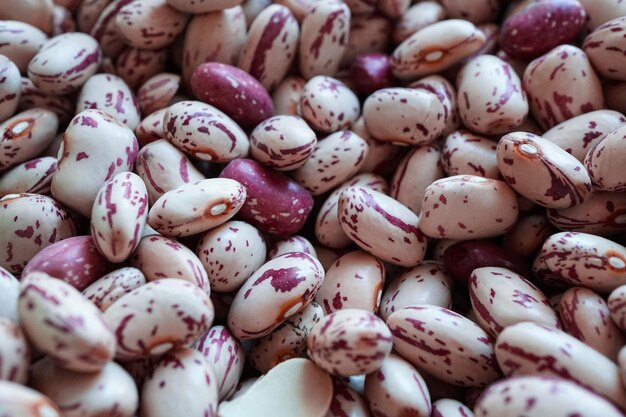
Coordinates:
[25,136]
[368,34]
[119,216]
[334,160]
[64,63]
[217,36]
[323,38]
[586,316]
[427,283]
[177,374]
[328,230]
[533,349]
[355,280]
[163,167]
[602,213]
[20,41]
[491,99]
[294,243]
[32,176]
[548,80]
[579,134]
[365,215]
[542,171]
[108,289]
[136,66]
[445,344]
[276,291]
[157,317]
[283,142]
[417,17]
[453,208]
[328,105]
[156,92]
[604,162]
[349,342]
[535,28]
[529,233]
[617,303]
[501,298]
[382,157]
[447,407]
[279,393]
[397,389]
[9,294]
[10,87]
[346,402]
[30,223]
[111,391]
[539,396]
[14,352]
[196,207]
[32,97]
[95,147]
[150,24]
[160,257]
[110,94]
[270,45]
[287,341]
[62,323]
[286,96]
[104,29]
[465,153]
[447,95]
[226,356]
[35,12]
[150,129]
[585,259]
[404,116]
[603,47]
[436,47]
[19,400]
[204,132]
[275,203]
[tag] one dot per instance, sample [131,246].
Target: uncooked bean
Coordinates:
[110,391]
[602,213]
[286,97]
[365,215]
[579,134]
[135,66]
[436,47]
[404,116]
[445,344]
[32,98]
[283,142]
[417,17]
[32,176]
[371,72]
[226,356]
[453,207]
[531,349]
[539,396]
[328,105]
[30,223]
[10,88]
[150,129]
[157,317]
[603,162]
[349,342]
[95,147]
[491,98]
[14,352]
[196,207]
[465,153]
[427,283]
[294,243]
[150,24]
[334,160]
[323,38]
[541,171]
[106,290]
[19,400]
[447,95]
[287,341]
[585,259]
[381,157]
[119,216]
[270,45]
[9,294]
[20,41]
[183,369]
[355,280]
[616,303]
[346,402]
[368,34]
[548,80]
[62,323]
[104,29]
[586,316]
[163,167]
[501,298]
[602,46]
[159,257]
[276,291]
[446,407]
[156,92]
[529,233]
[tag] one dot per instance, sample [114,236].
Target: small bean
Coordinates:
[14,352]
[108,289]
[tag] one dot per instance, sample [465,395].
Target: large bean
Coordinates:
[603,162]
[113,285]
[20,41]
[465,153]
[602,213]
[32,176]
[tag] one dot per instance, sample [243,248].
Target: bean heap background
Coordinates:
[312,208]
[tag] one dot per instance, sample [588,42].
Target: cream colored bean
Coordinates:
[149,24]
[417,17]
[328,105]
[20,41]
[294,243]
[465,153]
[603,162]
[19,400]
[602,213]
[454,208]
[14,352]
[108,289]
[381,226]
[603,46]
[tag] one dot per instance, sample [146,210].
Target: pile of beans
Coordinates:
[312,208]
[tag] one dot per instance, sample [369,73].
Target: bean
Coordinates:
[32,177]
[368,34]
[286,97]
[108,289]
[417,17]
[9,294]
[14,352]
[346,402]
[156,92]
[603,158]
[349,342]
[291,244]
[328,105]
[529,233]
[447,407]
[20,400]
[10,88]
[135,66]
[20,41]
[149,24]
[465,153]
[33,98]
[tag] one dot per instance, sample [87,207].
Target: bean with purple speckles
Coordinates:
[328,105]
[108,289]
[14,352]
[19,400]
[20,41]
[149,24]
